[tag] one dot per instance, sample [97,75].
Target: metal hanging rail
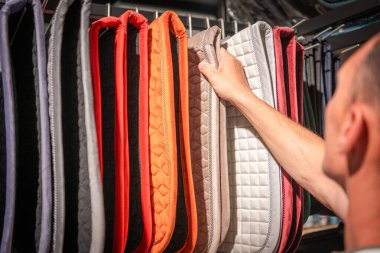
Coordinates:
[197,23]
[339,16]
[353,38]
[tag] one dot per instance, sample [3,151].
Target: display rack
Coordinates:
[339,16]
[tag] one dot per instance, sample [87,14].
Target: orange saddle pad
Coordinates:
[172,192]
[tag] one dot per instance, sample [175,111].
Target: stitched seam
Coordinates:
[164,116]
[210,156]
[267,153]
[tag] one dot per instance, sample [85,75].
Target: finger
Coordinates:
[207,70]
[225,60]
[224,54]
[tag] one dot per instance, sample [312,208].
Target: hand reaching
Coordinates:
[228,81]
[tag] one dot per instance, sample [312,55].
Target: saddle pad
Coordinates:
[224,182]
[301,196]
[72,212]
[299,80]
[254,177]
[109,86]
[174,216]
[96,191]
[140,218]
[287,75]
[301,93]
[2,157]
[281,82]
[205,136]
[29,199]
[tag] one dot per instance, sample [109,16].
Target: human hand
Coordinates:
[228,81]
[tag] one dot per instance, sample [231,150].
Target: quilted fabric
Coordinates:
[299,193]
[54,51]
[2,157]
[282,82]
[267,67]
[205,136]
[68,106]
[299,79]
[27,220]
[140,219]
[301,99]
[96,191]
[105,92]
[108,102]
[169,137]
[287,75]
[9,132]
[224,182]
[254,175]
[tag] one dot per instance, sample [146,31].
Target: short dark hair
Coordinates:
[367,81]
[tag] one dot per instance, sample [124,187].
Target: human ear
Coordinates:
[353,130]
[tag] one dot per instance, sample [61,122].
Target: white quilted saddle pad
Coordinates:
[254,176]
[205,134]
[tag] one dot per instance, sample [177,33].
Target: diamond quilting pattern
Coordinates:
[199,131]
[161,171]
[204,131]
[156,130]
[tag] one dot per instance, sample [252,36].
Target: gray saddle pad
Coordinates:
[77,192]
[206,151]
[2,157]
[96,189]
[28,166]
[255,182]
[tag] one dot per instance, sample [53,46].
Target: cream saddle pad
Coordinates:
[254,175]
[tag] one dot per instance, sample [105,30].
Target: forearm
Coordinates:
[298,151]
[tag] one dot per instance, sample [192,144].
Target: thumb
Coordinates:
[207,70]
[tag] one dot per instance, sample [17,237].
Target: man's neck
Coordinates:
[363,221]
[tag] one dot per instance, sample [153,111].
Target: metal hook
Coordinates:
[298,23]
[108,15]
[312,46]
[221,20]
[349,49]
[207,22]
[156,14]
[18,25]
[44,4]
[300,38]
[49,25]
[190,26]
[333,31]
[319,34]
[108,9]
[236,26]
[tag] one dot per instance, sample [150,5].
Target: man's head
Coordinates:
[352,130]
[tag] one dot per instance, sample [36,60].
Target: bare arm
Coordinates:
[298,151]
